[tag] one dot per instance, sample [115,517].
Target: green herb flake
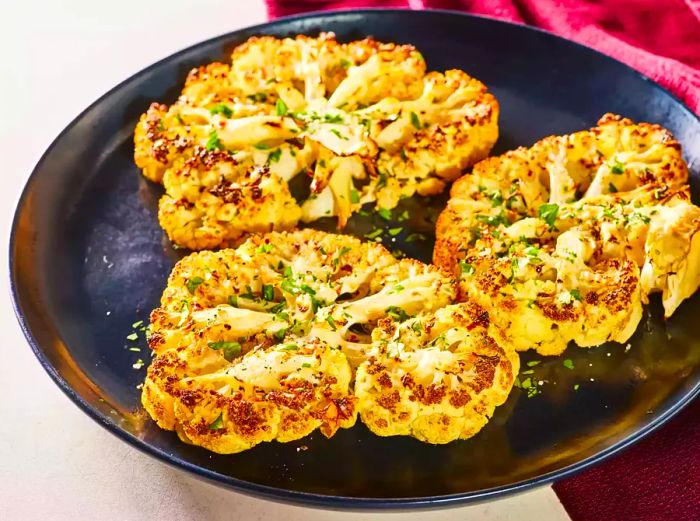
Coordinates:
[259,97]
[576,294]
[280,107]
[337,134]
[213,143]
[268,292]
[373,235]
[415,237]
[307,289]
[233,301]
[345,63]
[395,231]
[274,156]
[384,213]
[230,349]
[288,347]
[617,168]
[548,213]
[568,363]
[354,196]
[526,384]
[217,424]
[612,188]
[306,365]
[576,387]
[262,146]
[133,337]
[467,268]
[138,364]
[221,108]
[415,120]
[333,118]
[137,324]
[264,248]
[331,322]
[193,284]
[533,363]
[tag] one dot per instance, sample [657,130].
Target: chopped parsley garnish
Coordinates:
[337,134]
[287,271]
[132,337]
[333,118]
[415,237]
[345,63]
[395,231]
[384,213]
[466,268]
[288,347]
[576,387]
[617,168]
[274,156]
[354,196]
[193,284]
[331,322]
[221,108]
[279,334]
[612,188]
[548,213]
[233,301]
[415,120]
[576,294]
[533,363]
[258,97]
[306,365]
[494,220]
[280,107]
[532,251]
[230,349]
[213,143]
[397,313]
[290,287]
[262,146]
[344,250]
[137,324]
[307,289]
[217,424]
[403,155]
[568,363]
[268,292]
[373,235]
[264,248]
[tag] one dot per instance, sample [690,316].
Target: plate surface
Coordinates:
[88,260]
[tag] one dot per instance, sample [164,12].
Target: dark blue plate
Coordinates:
[88,260]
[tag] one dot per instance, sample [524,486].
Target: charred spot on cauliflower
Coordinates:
[363,118]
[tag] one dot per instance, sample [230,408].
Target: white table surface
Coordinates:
[56,57]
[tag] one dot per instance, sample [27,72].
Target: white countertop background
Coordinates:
[56,57]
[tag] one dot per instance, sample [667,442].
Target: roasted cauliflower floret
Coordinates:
[212,202]
[437,377]
[565,240]
[363,118]
[253,344]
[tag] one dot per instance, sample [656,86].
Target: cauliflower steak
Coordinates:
[564,241]
[363,119]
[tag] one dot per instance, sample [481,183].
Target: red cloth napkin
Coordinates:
[660,38]
[658,478]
